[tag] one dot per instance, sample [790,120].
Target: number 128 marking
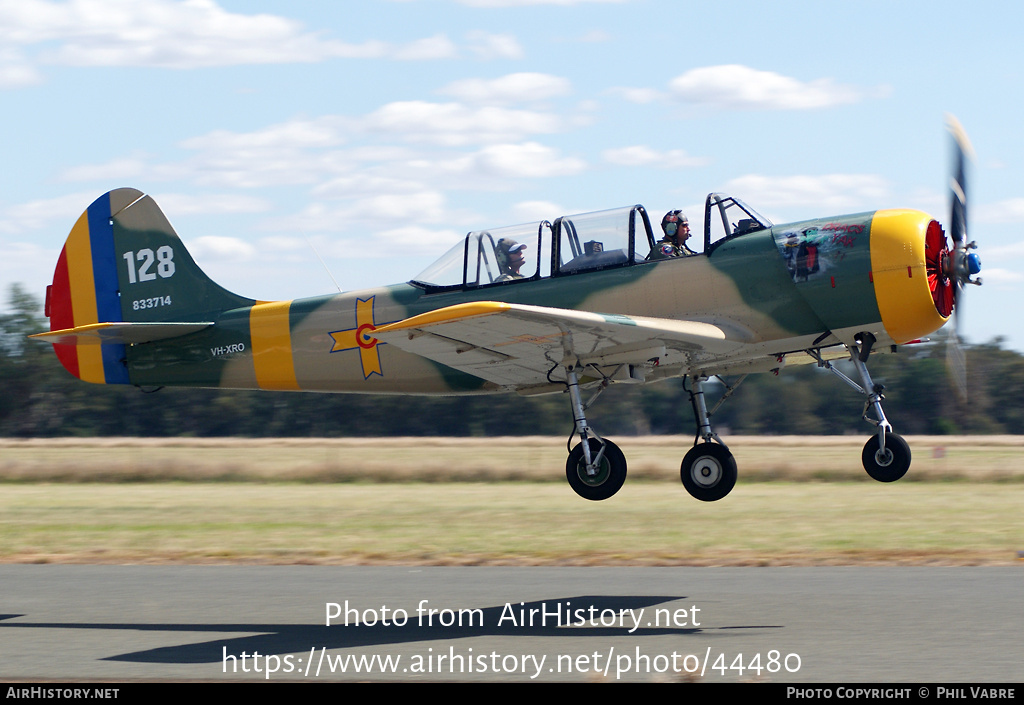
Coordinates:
[163,259]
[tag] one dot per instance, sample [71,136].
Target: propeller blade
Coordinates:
[956,360]
[961,264]
[958,182]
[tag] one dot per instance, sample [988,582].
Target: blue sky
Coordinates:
[382,131]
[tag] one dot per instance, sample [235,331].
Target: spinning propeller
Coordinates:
[949,271]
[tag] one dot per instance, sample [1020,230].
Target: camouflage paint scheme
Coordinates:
[128,305]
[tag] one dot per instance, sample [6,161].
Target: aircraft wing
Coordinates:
[516,345]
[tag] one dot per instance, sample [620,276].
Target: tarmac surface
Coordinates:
[515,624]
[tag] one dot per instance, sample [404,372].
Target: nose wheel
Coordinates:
[888,464]
[708,471]
[886,456]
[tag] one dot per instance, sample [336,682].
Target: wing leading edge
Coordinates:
[517,345]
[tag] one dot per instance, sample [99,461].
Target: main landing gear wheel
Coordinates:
[890,465]
[708,471]
[611,471]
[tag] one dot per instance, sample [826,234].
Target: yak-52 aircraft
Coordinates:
[586,308]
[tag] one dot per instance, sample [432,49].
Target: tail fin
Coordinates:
[125,277]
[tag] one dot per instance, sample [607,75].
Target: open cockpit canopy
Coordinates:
[585,242]
[726,217]
[572,244]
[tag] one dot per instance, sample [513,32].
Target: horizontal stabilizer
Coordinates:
[124,333]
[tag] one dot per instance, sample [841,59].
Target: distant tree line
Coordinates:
[38,398]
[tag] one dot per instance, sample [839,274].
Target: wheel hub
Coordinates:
[706,472]
[599,477]
[602,479]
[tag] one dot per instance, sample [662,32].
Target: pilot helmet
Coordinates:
[672,221]
[505,247]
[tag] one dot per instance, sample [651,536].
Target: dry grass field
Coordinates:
[518,459]
[799,501]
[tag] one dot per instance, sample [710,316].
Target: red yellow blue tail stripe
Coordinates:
[85,291]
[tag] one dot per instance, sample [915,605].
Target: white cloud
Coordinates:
[642,155]
[183,35]
[294,134]
[240,172]
[413,240]
[641,96]
[529,211]
[210,203]
[361,185]
[436,47]
[62,212]
[316,152]
[513,88]
[927,200]
[530,3]
[217,247]
[44,212]
[829,191]
[118,169]
[167,34]
[282,244]
[424,206]
[293,152]
[1003,278]
[1009,211]
[454,124]
[734,86]
[1002,252]
[16,71]
[356,175]
[494,46]
[528,160]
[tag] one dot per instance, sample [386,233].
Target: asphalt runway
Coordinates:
[114,623]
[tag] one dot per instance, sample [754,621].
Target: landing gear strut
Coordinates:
[886,456]
[596,468]
[708,470]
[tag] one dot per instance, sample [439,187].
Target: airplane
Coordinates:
[568,306]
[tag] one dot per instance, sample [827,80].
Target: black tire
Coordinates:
[708,472]
[893,464]
[609,478]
